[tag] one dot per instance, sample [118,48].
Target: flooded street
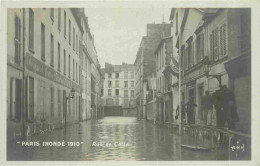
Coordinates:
[110,138]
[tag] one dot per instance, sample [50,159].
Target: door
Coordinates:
[64,108]
[18,98]
[31,99]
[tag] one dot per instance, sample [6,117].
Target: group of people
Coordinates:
[222,101]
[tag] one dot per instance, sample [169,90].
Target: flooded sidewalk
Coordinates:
[110,138]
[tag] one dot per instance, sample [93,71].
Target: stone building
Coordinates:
[90,73]
[119,89]
[145,63]
[217,35]
[44,57]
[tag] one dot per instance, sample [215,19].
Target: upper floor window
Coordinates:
[218,42]
[125,74]
[109,84]
[52,51]
[42,41]
[117,92]
[73,38]
[117,75]
[59,18]
[132,84]
[65,24]
[52,14]
[132,93]
[125,93]
[17,40]
[109,92]
[64,63]
[31,29]
[126,84]
[69,32]
[117,83]
[58,56]
[109,75]
[132,75]
[200,47]
[176,24]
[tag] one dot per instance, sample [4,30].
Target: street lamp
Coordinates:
[207,67]
[72,92]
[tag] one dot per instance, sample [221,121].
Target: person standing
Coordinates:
[190,111]
[207,107]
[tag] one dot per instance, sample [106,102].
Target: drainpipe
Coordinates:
[24,82]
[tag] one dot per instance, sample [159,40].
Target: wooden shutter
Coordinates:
[216,44]
[224,39]
[192,53]
[220,42]
[211,46]
[195,52]
[202,46]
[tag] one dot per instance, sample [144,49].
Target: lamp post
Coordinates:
[207,67]
[72,92]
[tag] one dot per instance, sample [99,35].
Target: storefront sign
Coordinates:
[43,70]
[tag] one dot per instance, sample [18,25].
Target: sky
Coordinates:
[118,31]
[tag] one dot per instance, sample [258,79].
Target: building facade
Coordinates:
[45,69]
[145,63]
[119,88]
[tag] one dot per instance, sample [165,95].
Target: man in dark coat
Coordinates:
[207,106]
[190,111]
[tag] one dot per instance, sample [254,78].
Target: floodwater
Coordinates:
[110,138]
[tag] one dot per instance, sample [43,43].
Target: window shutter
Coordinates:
[202,46]
[192,53]
[186,58]
[211,45]
[216,44]
[195,52]
[224,40]
[220,42]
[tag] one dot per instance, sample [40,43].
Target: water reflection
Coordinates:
[120,138]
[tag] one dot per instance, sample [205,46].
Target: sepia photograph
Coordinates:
[128,84]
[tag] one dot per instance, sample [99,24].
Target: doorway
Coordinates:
[64,108]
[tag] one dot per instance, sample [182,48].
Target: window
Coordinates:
[52,51]
[109,84]
[117,75]
[43,42]
[132,93]
[117,83]
[176,24]
[190,55]
[117,92]
[17,39]
[77,44]
[132,75]
[102,92]
[109,75]
[73,70]
[59,18]
[76,72]
[31,30]
[52,102]
[69,66]
[126,84]
[132,84]
[79,73]
[125,93]
[69,32]
[59,103]
[73,38]
[65,24]
[218,43]
[125,74]
[200,47]
[52,14]
[109,92]
[58,56]
[64,59]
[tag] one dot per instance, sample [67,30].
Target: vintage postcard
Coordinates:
[130,81]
